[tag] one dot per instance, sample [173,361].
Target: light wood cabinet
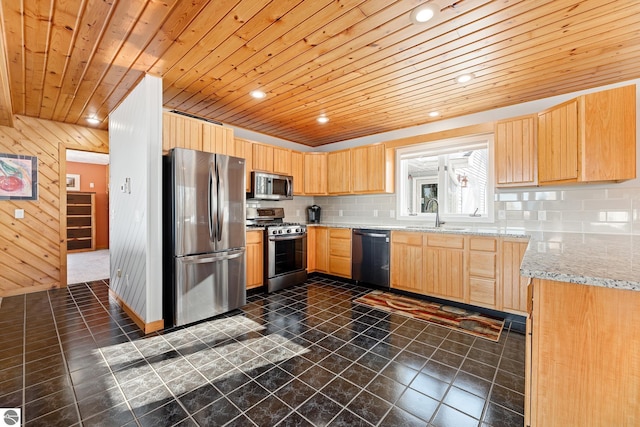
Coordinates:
[584,368]
[281,161]
[244,149]
[311,249]
[608,137]
[444,266]
[297,171]
[322,249]
[558,143]
[372,169]
[262,158]
[516,151]
[407,261]
[81,222]
[514,286]
[340,252]
[339,172]
[484,285]
[589,139]
[186,132]
[329,251]
[255,259]
[315,172]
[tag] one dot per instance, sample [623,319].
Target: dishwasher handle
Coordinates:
[370,234]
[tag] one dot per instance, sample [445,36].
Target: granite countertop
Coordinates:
[488,230]
[611,261]
[606,260]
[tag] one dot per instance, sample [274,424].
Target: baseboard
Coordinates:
[147,328]
[28,289]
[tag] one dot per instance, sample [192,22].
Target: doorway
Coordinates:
[87,183]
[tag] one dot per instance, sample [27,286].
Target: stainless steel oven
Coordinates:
[285,248]
[285,256]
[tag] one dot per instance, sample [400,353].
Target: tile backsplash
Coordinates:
[588,209]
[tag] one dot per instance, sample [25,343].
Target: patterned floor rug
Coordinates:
[469,322]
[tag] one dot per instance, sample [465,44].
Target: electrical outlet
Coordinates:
[375,212]
[297,212]
[119,273]
[392,213]
[340,212]
[542,215]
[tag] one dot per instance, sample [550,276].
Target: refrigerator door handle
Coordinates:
[213,197]
[199,259]
[221,197]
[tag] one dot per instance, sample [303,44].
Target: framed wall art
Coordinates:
[18,177]
[73,182]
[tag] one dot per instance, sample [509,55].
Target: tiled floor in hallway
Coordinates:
[305,356]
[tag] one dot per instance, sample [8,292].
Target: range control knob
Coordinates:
[288,230]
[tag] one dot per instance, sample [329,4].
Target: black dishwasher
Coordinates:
[370,256]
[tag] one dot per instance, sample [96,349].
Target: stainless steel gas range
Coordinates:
[285,248]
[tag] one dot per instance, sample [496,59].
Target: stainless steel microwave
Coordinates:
[268,186]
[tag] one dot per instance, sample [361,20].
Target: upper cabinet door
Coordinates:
[315,172]
[281,161]
[297,171]
[558,144]
[263,158]
[589,139]
[609,135]
[515,151]
[339,172]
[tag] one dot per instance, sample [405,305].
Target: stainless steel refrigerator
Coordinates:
[204,217]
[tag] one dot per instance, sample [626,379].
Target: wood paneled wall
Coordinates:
[33,250]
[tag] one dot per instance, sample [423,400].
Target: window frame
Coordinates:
[439,148]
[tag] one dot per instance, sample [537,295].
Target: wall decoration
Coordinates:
[73,182]
[18,177]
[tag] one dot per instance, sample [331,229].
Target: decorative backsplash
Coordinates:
[586,208]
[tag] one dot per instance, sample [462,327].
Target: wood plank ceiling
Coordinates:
[360,62]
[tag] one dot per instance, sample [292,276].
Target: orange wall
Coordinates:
[98,174]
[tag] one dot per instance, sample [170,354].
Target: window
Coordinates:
[454,176]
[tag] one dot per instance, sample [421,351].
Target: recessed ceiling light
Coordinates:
[258,94]
[425,13]
[464,78]
[434,114]
[93,120]
[322,119]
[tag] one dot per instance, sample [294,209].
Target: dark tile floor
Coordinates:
[304,356]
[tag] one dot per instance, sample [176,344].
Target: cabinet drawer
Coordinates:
[482,264]
[82,221]
[445,241]
[340,247]
[483,244]
[79,210]
[407,238]
[340,233]
[254,237]
[340,266]
[482,291]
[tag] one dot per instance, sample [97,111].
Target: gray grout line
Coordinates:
[64,359]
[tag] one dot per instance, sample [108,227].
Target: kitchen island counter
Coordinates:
[611,261]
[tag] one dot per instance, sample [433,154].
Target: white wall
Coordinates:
[135,235]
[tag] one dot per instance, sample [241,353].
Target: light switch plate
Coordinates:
[19,214]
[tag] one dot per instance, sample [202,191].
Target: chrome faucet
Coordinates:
[434,200]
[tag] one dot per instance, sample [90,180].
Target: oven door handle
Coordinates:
[285,237]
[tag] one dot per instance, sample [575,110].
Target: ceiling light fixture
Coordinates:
[93,120]
[322,119]
[425,13]
[464,78]
[258,94]
[434,114]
